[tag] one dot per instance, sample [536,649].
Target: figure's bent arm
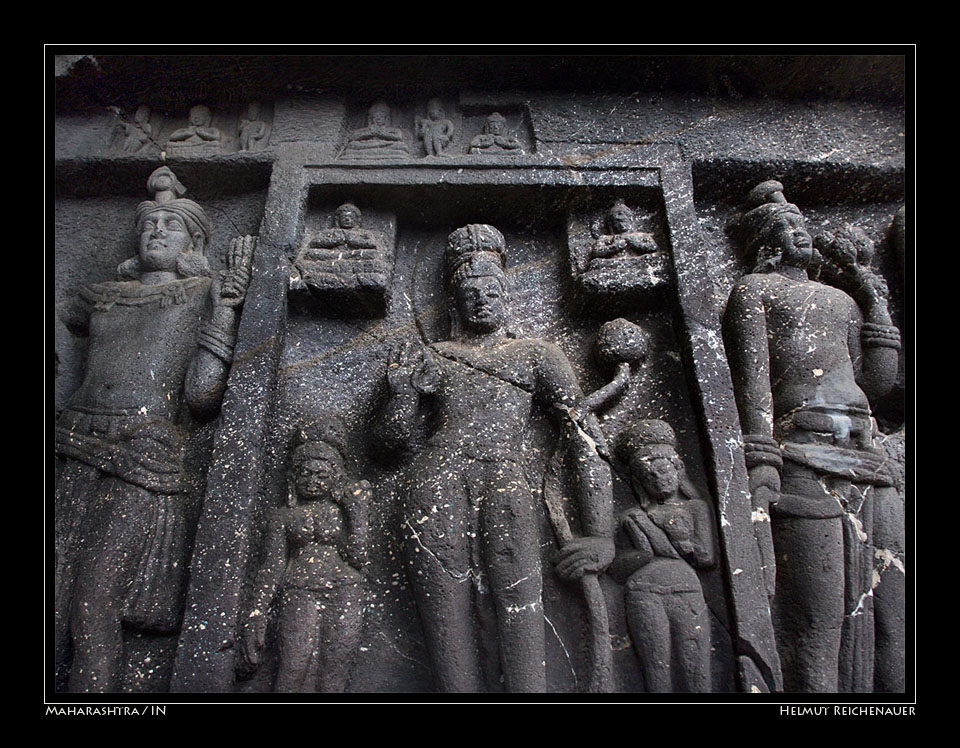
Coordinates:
[875,348]
[745,338]
[206,378]
[356,503]
[559,391]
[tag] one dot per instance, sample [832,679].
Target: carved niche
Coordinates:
[345,269]
[618,254]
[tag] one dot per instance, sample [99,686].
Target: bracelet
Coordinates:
[218,342]
[873,335]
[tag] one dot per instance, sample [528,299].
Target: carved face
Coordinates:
[200,116]
[379,116]
[163,238]
[658,476]
[315,476]
[435,110]
[790,235]
[348,217]
[481,303]
[495,126]
[620,219]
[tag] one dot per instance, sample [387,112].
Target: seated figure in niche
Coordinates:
[436,131]
[161,342]
[315,552]
[493,141]
[379,139]
[672,533]
[623,239]
[344,254]
[198,134]
[133,137]
[252,129]
[807,359]
[348,232]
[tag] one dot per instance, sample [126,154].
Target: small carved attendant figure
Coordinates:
[137,135]
[473,544]
[198,135]
[252,129]
[160,349]
[493,142]
[379,139]
[623,240]
[436,131]
[671,531]
[315,548]
[806,359]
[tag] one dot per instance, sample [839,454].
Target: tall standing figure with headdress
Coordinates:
[472,533]
[161,342]
[806,360]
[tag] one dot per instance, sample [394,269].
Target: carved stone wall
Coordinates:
[472,416]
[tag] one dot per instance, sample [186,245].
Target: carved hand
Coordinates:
[764,478]
[412,367]
[236,278]
[632,526]
[253,636]
[581,556]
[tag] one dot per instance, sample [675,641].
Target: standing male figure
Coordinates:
[160,346]
[806,358]
[473,545]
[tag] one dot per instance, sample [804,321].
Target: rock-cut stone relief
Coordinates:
[160,348]
[494,140]
[672,534]
[472,538]
[615,257]
[136,136]
[199,137]
[252,131]
[347,266]
[807,358]
[378,140]
[435,130]
[313,568]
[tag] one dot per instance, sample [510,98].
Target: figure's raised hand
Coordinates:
[235,279]
[412,367]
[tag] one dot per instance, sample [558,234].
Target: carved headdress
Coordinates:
[167,191]
[764,206]
[474,250]
[649,438]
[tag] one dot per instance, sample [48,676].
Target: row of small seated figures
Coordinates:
[378,140]
[199,136]
[382,140]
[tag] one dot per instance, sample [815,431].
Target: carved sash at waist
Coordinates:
[856,465]
[126,445]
